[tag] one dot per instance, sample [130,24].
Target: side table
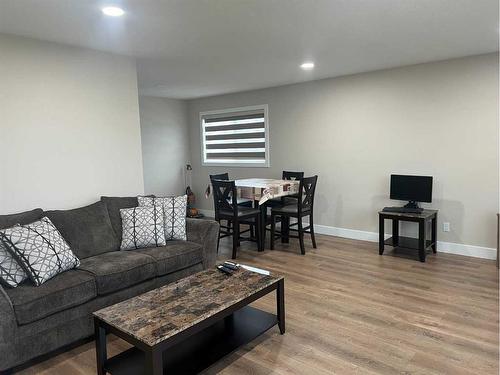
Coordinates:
[421,243]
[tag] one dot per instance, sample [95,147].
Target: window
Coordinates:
[235,137]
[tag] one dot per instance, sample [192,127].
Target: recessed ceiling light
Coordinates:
[113,11]
[307,65]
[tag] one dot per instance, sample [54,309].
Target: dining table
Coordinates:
[260,190]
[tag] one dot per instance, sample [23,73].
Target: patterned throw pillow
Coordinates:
[11,273]
[40,249]
[174,214]
[142,227]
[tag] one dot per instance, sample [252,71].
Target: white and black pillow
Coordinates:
[174,214]
[142,227]
[40,249]
[11,273]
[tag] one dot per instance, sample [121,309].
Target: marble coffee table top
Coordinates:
[163,312]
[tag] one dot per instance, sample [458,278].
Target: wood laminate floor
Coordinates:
[351,311]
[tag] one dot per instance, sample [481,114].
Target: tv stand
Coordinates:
[421,243]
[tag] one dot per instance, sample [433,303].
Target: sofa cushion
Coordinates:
[87,229]
[175,256]
[27,217]
[119,269]
[69,289]
[114,205]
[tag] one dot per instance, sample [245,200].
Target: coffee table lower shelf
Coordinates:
[201,350]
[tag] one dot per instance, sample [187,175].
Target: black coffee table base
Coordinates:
[202,349]
[197,348]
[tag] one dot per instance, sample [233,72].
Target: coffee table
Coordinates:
[186,326]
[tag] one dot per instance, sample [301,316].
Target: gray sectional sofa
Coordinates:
[38,320]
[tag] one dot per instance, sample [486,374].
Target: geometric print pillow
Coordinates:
[174,214]
[40,249]
[11,273]
[142,227]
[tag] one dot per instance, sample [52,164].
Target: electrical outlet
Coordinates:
[446,227]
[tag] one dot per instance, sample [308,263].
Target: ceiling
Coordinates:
[194,48]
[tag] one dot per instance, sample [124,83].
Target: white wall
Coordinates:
[69,126]
[438,119]
[165,143]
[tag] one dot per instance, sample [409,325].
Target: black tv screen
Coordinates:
[411,188]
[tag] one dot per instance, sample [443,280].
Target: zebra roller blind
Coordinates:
[236,137]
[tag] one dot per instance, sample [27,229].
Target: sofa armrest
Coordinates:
[8,323]
[206,233]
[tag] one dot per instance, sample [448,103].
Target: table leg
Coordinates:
[280,305]
[395,232]
[154,362]
[100,347]
[422,241]
[434,235]
[380,234]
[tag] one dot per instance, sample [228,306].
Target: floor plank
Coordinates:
[351,311]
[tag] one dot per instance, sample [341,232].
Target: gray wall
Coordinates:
[436,119]
[69,128]
[165,150]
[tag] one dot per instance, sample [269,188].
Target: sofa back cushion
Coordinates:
[27,217]
[114,205]
[87,230]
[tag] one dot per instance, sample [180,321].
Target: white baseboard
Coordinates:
[443,247]
[467,250]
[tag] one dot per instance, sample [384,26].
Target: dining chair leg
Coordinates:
[236,237]
[252,233]
[301,237]
[258,234]
[285,229]
[218,238]
[273,230]
[311,229]
[263,217]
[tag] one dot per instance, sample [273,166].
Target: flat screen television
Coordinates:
[411,188]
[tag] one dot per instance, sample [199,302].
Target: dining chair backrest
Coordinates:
[222,176]
[287,175]
[225,196]
[307,189]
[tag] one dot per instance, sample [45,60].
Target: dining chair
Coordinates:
[303,207]
[278,202]
[289,199]
[227,208]
[225,176]
[241,201]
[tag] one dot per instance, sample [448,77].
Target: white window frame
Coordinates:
[262,107]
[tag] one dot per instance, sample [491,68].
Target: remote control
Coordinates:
[231,265]
[225,270]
